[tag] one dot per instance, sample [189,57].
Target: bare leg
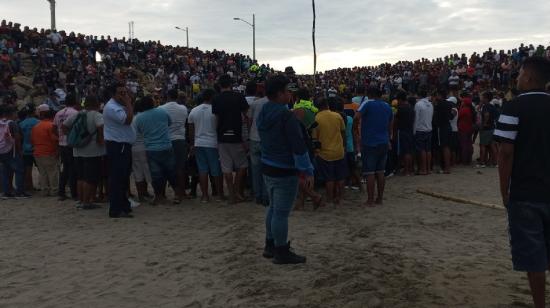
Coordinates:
[338,189]
[80,190]
[329,186]
[203,178]
[408,163]
[537,281]
[381,181]
[429,162]
[239,184]
[422,160]
[370,190]
[446,160]
[230,187]
[218,184]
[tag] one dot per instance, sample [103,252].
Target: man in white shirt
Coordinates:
[204,142]
[423,111]
[178,117]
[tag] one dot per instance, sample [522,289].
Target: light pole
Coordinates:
[253,25]
[186,30]
[52,12]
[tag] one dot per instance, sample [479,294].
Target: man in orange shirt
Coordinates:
[44,141]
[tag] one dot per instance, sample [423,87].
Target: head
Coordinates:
[374,92]
[208,96]
[118,91]
[486,97]
[401,96]
[147,103]
[70,100]
[172,95]
[8,112]
[323,104]
[92,102]
[251,88]
[276,89]
[44,112]
[303,94]
[423,92]
[534,74]
[225,82]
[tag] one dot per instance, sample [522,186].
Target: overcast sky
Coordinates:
[349,32]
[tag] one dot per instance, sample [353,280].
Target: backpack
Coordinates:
[79,136]
[6,139]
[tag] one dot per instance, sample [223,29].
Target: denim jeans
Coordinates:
[162,165]
[120,167]
[11,164]
[260,192]
[282,194]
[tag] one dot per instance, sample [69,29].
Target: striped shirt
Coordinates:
[525,123]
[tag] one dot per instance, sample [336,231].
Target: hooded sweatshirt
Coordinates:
[282,144]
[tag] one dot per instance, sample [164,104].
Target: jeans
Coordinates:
[375,159]
[120,167]
[260,192]
[282,194]
[162,165]
[67,174]
[11,165]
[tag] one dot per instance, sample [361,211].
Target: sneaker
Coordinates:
[7,196]
[284,255]
[133,203]
[22,195]
[79,205]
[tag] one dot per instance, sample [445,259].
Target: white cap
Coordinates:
[43,108]
[453,100]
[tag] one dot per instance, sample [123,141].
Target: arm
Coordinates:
[356,122]
[505,164]
[506,133]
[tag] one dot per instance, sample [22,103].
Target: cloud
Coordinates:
[349,32]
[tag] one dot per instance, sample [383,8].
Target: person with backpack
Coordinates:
[45,151]
[85,136]
[11,160]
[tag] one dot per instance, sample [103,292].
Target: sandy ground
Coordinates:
[415,251]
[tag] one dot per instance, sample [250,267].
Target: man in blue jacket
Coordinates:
[285,162]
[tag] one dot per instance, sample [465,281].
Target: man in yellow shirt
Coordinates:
[331,165]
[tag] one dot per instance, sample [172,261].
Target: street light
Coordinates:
[253,25]
[52,12]
[186,30]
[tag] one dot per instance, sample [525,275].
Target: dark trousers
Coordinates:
[67,174]
[120,167]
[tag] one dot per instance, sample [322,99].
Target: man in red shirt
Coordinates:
[45,142]
[466,120]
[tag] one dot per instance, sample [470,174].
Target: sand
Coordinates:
[414,251]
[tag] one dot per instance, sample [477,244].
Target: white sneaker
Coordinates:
[133,203]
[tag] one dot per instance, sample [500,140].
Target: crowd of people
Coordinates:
[182,118]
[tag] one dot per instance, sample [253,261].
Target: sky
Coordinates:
[348,32]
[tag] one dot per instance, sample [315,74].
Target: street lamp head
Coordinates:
[236,18]
[177,27]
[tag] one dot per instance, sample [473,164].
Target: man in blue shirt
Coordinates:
[119,135]
[376,119]
[28,159]
[153,123]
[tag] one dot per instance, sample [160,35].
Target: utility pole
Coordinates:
[314,49]
[131,31]
[52,12]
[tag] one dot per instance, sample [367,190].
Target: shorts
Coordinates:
[28,161]
[529,228]
[375,159]
[455,145]
[232,157]
[180,153]
[140,167]
[208,161]
[405,143]
[332,171]
[352,161]
[486,137]
[442,137]
[423,141]
[88,169]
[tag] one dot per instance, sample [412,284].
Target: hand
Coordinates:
[389,146]
[307,182]
[191,150]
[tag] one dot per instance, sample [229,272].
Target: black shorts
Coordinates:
[454,142]
[332,171]
[352,161]
[423,141]
[28,161]
[88,169]
[180,153]
[405,143]
[442,137]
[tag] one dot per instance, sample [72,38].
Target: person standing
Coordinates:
[466,122]
[45,151]
[11,159]
[67,173]
[26,126]
[523,131]
[285,163]
[230,107]
[119,136]
[178,118]
[423,111]
[404,123]
[443,114]
[376,130]
[204,143]
[487,147]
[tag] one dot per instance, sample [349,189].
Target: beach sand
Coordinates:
[414,251]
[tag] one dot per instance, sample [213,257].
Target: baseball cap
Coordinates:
[453,100]
[43,108]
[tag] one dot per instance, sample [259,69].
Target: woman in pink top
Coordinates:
[466,121]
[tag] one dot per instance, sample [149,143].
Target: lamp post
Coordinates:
[253,25]
[186,30]
[52,12]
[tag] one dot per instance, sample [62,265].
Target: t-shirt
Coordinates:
[43,139]
[329,133]
[404,118]
[443,114]
[58,120]
[139,144]
[6,139]
[376,116]
[94,120]
[524,123]
[423,116]
[178,116]
[115,129]
[153,124]
[256,105]
[228,107]
[205,126]
[26,129]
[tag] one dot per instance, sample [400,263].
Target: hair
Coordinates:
[251,88]
[488,95]
[111,89]
[401,96]
[70,100]
[360,90]
[91,101]
[324,103]
[373,92]
[172,94]
[411,100]
[225,81]
[303,93]
[540,69]
[423,92]
[208,95]
[442,92]
[275,84]
[147,103]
